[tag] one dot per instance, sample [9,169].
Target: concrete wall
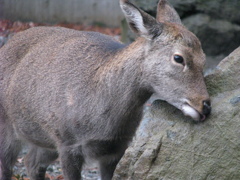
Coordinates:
[73,11]
[1,8]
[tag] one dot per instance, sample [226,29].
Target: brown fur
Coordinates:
[80,95]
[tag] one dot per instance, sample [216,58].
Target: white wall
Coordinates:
[73,11]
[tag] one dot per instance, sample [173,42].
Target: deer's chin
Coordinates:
[189,111]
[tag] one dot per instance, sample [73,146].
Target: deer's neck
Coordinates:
[122,80]
[119,94]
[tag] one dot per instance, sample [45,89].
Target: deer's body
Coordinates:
[80,95]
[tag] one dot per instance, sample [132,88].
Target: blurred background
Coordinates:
[215,22]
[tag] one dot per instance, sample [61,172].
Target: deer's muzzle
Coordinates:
[189,110]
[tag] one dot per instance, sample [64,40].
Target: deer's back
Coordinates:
[45,49]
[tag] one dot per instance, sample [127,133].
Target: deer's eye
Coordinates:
[178,59]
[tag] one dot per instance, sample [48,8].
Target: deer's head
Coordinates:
[173,59]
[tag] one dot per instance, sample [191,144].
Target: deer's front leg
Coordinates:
[107,167]
[71,161]
[108,153]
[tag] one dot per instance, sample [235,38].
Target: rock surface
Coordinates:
[170,146]
[219,9]
[217,36]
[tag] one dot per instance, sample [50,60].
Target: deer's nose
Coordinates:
[206,107]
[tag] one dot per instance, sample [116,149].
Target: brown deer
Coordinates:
[79,96]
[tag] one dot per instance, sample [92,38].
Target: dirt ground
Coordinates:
[54,171]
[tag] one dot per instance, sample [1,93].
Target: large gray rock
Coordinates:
[169,146]
[149,6]
[217,36]
[184,7]
[219,9]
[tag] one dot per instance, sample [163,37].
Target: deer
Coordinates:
[79,96]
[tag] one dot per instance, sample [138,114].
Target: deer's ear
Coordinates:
[140,22]
[166,13]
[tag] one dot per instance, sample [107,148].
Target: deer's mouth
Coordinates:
[193,113]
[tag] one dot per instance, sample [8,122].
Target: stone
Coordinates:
[170,146]
[149,6]
[184,7]
[220,9]
[217,36]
